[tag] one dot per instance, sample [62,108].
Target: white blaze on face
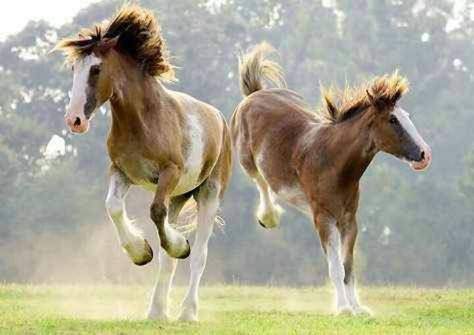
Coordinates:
[404,119]
[405,122]
[79,93]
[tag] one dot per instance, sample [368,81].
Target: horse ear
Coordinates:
[396,97]
[106,44]
[379,103]
[371,98]
[330,107]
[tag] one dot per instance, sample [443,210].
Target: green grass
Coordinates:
[233,310]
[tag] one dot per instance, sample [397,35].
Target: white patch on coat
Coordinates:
[404,118]
[336,268]
[194,158]
[79,83]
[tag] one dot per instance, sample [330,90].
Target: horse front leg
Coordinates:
[159,304]
[130,237]
[174,243]
[349,236]
[331,243]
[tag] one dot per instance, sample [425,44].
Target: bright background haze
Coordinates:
[15,15]
[415,228]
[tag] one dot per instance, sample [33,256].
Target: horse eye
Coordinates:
[95,70]
[393,120]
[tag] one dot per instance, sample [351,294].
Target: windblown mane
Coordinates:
[340,105]
[138,35]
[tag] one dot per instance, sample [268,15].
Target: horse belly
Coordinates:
[281,180]
[145,173]
[295,197]
[141,171]
[188,182]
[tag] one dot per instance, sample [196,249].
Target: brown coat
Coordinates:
[314,161]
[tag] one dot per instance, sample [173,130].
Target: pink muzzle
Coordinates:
[425,162]
[77,122]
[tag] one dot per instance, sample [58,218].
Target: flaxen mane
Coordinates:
[137,35]
[341,105]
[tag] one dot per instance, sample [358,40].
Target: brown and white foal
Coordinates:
[314,161]
[164,141]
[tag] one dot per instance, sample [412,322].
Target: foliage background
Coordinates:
[415,228]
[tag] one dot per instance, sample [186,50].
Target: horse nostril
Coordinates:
[77,123]
[423,155]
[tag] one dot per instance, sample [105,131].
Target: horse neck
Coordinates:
[136,100]
[352,147]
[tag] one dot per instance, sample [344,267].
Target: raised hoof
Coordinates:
[145,257]
[345,311]
[271,218]
[188,317]
[187,252]
[152,316]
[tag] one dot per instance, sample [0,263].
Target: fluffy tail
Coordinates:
[254,67]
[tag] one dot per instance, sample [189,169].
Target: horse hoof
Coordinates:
[148,257]
[153,316]
[362,311]
[270,219]
[186,253]
[345,311]
[188,317]
[142,257]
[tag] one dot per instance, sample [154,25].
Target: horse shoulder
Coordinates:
[202,139]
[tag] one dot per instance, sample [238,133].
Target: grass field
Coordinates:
[233,310]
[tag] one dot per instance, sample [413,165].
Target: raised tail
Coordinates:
[254,68]
[187,219]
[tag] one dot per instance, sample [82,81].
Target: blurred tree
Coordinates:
[414,228]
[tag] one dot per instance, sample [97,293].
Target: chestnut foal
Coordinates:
[164,141]
[314,161]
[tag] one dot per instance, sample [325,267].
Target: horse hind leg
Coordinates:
[268,212]
[208,204]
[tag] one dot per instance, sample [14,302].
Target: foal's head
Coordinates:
[390,127]
[133,32]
